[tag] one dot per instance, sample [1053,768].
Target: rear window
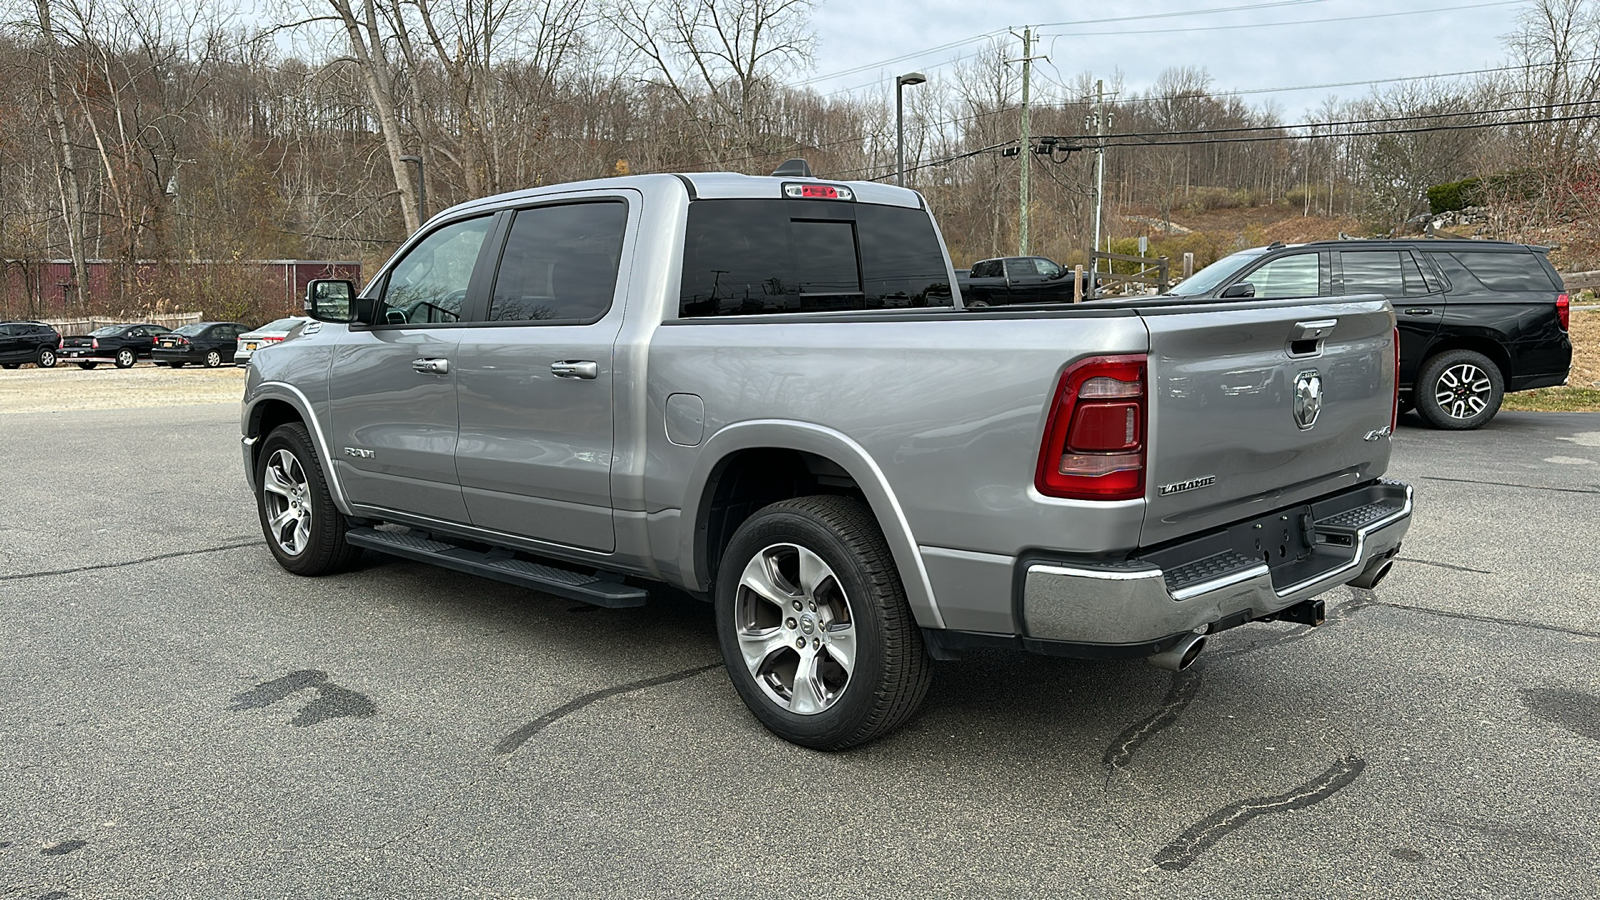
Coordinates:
[1508,272]
[746,257]
[107,330]
[192,330]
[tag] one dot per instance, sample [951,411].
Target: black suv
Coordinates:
[28,342]
[1476,318]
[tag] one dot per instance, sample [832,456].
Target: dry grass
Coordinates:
[1582,393]
[67,388]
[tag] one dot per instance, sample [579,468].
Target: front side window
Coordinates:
[430,283]
[560,264]
[1047,268]
[1287,276]
[745,257]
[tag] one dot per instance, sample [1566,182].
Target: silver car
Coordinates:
[273,332]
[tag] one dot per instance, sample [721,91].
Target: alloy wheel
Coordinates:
[1463,391]
[286,497]
[795,629]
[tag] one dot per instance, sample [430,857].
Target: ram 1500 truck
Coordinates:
[764,391]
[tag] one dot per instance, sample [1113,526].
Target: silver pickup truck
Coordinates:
[765,391]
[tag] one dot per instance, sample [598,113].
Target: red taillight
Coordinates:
[1564,311]
[1394,409]
[1093,445]
[95,343]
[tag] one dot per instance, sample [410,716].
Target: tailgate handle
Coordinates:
[1305,338]
[1313,331]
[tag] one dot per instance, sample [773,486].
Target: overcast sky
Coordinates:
[864,44]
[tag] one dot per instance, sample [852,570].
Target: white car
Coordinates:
[271,333]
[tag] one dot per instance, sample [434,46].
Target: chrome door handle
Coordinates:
[575,368]
[431,366]
[1419,311]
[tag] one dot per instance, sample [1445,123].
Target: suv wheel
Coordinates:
[814,626]
[1459,390]
[47,358]
[304,531]
[125,358]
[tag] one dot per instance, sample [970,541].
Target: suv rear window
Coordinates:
[747,257]
[1499,271]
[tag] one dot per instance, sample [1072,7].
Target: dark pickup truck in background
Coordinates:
[1019,279]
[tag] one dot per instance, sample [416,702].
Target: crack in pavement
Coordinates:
[1490,619]
[522,735]
[1198,837]
[1529,487]
[132,562]
[1184,686]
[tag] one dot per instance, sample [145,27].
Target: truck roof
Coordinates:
[702,186]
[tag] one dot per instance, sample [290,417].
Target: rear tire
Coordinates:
[814,626]
[47,358]
[304,530]
[1459,390]
[125,359]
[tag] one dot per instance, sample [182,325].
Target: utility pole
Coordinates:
[1099,164]
[1025,150]
[1025,157]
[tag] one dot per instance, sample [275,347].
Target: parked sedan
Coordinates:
[271,333]
[209,343]
[28,342]
[121,345]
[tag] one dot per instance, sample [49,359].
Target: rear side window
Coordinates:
[560,264]
[1387,272]
[1508,272]
[745,257]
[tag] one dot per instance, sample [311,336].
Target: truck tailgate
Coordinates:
[1263,404]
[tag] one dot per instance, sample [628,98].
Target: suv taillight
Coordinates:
[1094,439]
[1564,311]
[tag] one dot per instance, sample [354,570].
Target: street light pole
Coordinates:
[900,121]
[422,188]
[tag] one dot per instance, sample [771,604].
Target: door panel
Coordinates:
[535,386]
[393,394]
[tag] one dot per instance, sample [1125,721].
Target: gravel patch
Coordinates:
[67,388]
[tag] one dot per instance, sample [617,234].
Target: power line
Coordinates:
[1464,126]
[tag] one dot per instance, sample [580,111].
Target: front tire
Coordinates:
[125,359]
[213,359]
[1459,390]
[47,358]
[304,530]
[814,626]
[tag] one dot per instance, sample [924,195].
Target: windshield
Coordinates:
[1205,280]
[192,330]
[107,331]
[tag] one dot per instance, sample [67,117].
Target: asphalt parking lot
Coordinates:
[180,717]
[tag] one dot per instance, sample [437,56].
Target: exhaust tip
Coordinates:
[1372,577]
[1181,655]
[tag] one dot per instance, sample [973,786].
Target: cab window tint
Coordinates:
[430,283]
[560,264]
[743,257]
[1387,272]
[1287,276]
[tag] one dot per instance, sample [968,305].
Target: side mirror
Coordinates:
[329,300]
[1241,291]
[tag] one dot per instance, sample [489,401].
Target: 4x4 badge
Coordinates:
[1307,398]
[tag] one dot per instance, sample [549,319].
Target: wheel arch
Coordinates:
[275,404]
[1494,350]
[751,464]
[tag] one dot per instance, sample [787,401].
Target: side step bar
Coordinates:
[601,589]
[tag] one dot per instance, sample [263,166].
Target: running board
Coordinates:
[600,588]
